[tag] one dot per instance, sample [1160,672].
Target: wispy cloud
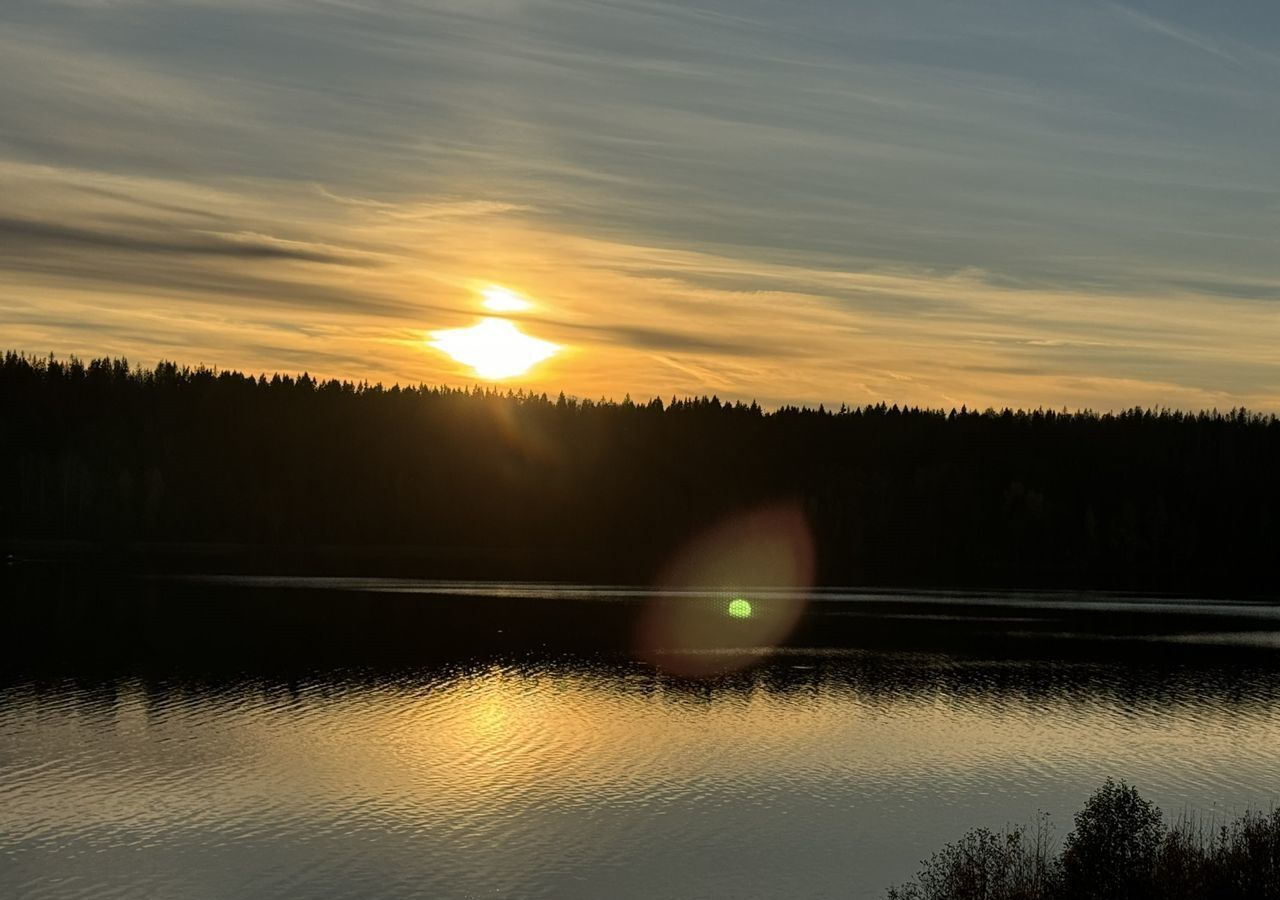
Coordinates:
[24,238]
[1181,35]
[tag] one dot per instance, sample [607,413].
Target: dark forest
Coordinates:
[164,466]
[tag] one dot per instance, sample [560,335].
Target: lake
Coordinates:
[287,738]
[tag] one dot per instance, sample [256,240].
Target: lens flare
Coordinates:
[687,628]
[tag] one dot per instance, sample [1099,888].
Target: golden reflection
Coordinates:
[491,716]
[493,348]
[458,749]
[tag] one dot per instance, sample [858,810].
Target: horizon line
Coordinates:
[495,388]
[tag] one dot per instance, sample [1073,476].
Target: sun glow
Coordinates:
[494,348]
[499,299]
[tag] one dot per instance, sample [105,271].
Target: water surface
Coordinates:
[174,760]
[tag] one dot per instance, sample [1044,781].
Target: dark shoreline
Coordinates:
[484,564]
[74,617]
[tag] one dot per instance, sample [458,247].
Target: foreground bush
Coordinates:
[1012,865]
[1120,849]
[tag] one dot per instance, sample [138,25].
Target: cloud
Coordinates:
[675,341]
[1180,35]
[442,209]
[21,237]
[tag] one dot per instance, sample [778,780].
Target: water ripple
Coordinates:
[808,776]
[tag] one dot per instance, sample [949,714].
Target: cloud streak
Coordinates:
[21,238]
[1182,36]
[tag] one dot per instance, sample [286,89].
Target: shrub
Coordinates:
[1112,853]
[1119,850]
[1243,863]
[984,865]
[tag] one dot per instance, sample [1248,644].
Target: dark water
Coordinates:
[314,739]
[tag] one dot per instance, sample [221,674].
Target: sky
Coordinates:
[1031,203]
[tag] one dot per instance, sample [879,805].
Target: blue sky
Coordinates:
[1027,203]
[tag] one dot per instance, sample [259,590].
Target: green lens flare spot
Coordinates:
[739,608]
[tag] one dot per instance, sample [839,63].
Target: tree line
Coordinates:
[478,480]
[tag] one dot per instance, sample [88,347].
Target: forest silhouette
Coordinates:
[144,465]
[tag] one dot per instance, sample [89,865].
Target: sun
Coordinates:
[499,299]
[494,348]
